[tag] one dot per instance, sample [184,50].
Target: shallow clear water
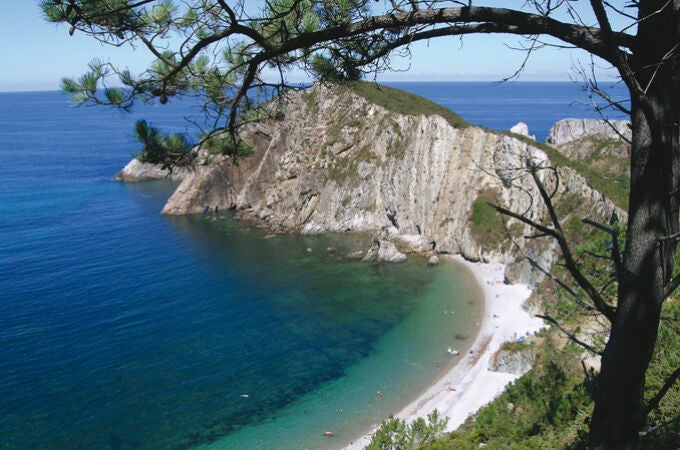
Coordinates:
[403,361]
[122,328]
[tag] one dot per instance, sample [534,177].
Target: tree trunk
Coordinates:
[620,412]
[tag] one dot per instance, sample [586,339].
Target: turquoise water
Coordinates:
[388,318]
[402,363]
[123,328]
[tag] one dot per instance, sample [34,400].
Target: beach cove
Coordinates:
[470,384]
[403,363]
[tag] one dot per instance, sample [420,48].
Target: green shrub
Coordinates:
[542,409]
[487,224]
[226,144]
[395,434]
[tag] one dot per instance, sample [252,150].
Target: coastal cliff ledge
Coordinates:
[334,161]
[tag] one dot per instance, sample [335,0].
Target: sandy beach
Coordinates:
[470,384]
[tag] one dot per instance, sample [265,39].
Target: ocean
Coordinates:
[123,328]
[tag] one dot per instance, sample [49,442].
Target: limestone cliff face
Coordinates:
[336,162]
[568,130]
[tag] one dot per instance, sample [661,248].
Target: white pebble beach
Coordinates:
[470,384]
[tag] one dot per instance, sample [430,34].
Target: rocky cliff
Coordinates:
[568,130]
[136,171]
[333,161]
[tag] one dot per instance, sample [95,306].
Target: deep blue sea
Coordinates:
[122,328]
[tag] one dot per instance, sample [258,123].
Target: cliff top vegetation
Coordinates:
[402,102]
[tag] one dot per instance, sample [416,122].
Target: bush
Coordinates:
[486,223]
[545,408]
[226,144]
[395,434]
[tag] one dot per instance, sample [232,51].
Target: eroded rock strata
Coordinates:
[333,161]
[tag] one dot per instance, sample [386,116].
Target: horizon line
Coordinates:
[499,82]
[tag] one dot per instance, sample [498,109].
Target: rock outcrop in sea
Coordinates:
[333,161]
[137,170]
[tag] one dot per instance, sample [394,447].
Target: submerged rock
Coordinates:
[355,255]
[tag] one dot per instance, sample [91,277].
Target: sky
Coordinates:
[38,54]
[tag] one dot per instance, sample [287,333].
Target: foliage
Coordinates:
[214,61]
[487,226]
[226,144]
[663,422]
[605,155]
[545,408]
[325,68]
[593,252]
[396,434]
[616,188]
[167,150]
[550,406]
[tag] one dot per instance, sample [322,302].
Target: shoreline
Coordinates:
[469,384]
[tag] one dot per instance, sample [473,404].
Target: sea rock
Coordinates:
[568,130]
[198,189]
[136,171]
[383,250]
[355,255]
[609,144]
[522,129]
[433,260]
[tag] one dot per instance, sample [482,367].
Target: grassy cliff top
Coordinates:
[405,103]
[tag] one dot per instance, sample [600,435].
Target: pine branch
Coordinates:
[570,262]
[655,428]
[654,401]
[569,334]
[563,285]
[616,250]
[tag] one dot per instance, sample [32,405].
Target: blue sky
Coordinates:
[38,54]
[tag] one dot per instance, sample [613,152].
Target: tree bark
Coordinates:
[620,413]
